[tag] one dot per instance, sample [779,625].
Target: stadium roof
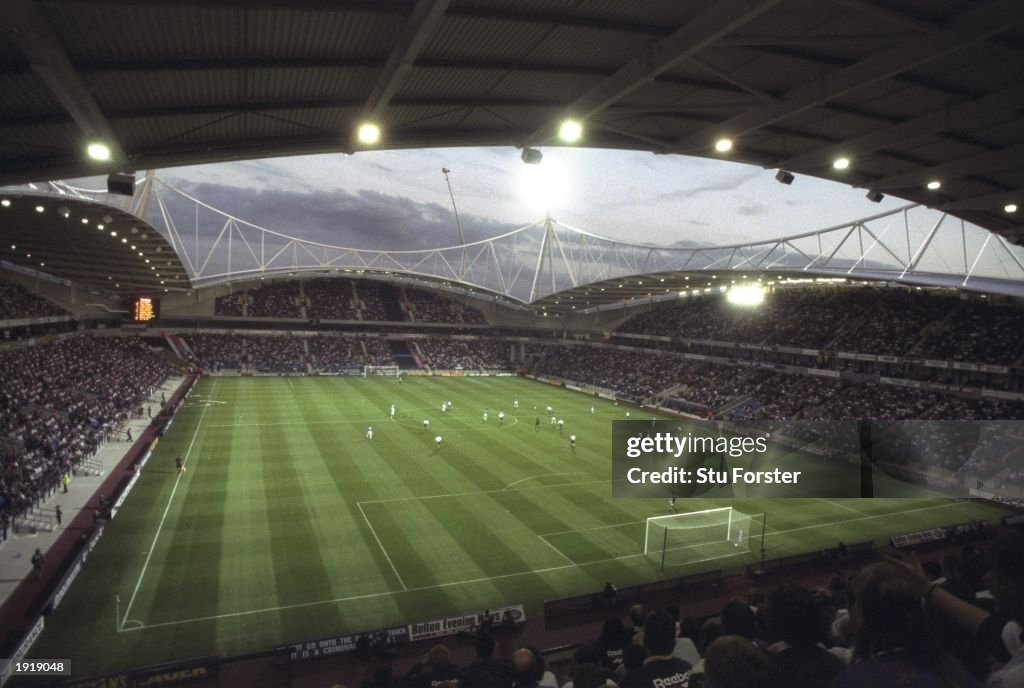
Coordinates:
[909,90]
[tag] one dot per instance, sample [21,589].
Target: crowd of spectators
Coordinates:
[215,352]
[379,351]
[275,300]
[632,374]
[275,354]
[336,354]
[56,411]
[473,316]
[979,332]
[894,322]
[373,300]
[441,353]
[954,622]
[698,388]
[329,299]
[18,302]
[425,306]
[231,304]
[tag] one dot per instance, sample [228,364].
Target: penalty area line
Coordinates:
[381,545]
[541,475]
[438,586]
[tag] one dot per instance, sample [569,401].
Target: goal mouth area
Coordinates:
[689,537]
[386,371]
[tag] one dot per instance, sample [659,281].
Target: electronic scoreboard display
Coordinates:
[145,308]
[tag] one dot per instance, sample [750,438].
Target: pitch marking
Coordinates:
[437,586]
[534,477]
[177,481]
[381,545]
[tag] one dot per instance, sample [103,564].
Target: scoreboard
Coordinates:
[145,309]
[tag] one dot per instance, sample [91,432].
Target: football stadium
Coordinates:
[298,391]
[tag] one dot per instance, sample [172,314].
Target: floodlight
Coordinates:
[1010,208]
[745,295]
[934,184]
[875,196]
[6,203]
[723,145]
[98,151]
[841,163]
[570,131]
[784,177]
[368,133]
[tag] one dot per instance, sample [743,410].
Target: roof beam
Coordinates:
[718,20]
[25,28]
[994,201]
[994,161]
[978,23]
[423,21]
[972,114]
[889,15]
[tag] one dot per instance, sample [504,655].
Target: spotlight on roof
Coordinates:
[875,196]
[934,184]
[121,183]
[6,203]
[368,133]
[723,145]
[532,156]
[1010,208]
[40,208]
[784,177]
[63,211]
[98,151]
[570,131]
[841,163]
[745,295]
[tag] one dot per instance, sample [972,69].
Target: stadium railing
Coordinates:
[857,553]
[682,586]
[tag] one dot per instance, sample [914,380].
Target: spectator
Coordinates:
[1000,633]
[799,658]
[735,662]
[660,668]
[893,645]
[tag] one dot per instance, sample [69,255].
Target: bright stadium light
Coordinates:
[570,131]
[98,151]
[841,163]
[745,295]
[723,145]
[934,184]
[368,133]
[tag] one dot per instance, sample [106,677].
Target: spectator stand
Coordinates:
[20,594]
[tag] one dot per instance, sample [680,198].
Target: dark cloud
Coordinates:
[752,209]
[363,220]
[730,183]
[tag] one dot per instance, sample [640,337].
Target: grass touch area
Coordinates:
[290,524]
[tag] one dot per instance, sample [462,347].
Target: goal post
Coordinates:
[388,370]
[694,536]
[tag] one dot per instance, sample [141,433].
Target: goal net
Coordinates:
[390,370]
[686,538]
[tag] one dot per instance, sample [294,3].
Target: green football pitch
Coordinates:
[290,524]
